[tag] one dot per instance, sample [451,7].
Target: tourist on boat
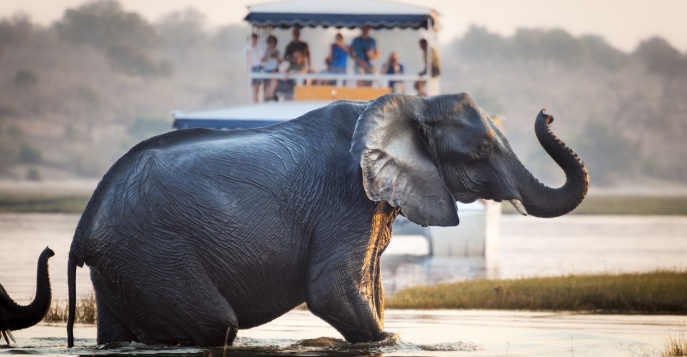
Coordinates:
[392,66]
[270,64]
[363,50]
[253,56]
[296,45]
[338,55]
[285,87]
[327,70]
[435,67]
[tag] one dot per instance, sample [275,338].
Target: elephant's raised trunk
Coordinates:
[541,200]
[19,317]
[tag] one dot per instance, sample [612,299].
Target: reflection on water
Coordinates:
[404,271]
[419,333]
[530,246]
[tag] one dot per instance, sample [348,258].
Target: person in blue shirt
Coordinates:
[392,66]
[363,50]
[338,55]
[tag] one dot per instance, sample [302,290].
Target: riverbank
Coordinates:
[659,292]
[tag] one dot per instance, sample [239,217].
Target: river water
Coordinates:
[526,247]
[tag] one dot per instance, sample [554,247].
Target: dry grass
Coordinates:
[675,346]
[85,310]
[659,292]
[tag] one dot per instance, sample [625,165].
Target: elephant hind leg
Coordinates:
[200,317]
[110,328]
[216,326]
[165,314]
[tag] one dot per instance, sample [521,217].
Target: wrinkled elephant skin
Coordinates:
[198,232]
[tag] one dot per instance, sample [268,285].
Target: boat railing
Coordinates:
[342,80]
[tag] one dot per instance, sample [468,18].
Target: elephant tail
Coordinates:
[71,282]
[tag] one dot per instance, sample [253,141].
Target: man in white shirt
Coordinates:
[253,55]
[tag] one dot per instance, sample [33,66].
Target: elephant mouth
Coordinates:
[470,198]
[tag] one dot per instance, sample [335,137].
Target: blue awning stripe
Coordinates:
[376,21]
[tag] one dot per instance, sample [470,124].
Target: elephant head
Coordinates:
[423,155]
[17,317]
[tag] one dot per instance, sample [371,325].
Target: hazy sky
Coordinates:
[622,22]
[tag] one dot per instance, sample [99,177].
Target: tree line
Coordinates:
[76,94]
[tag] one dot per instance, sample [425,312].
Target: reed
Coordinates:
[85,310]
[675,346]
[659,292]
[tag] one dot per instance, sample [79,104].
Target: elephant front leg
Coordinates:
[354,307]
[344,279]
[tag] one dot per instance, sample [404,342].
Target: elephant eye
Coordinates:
[482,149]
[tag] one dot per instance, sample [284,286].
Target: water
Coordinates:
[527,247]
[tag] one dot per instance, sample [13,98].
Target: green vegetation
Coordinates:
[626,205]
[42,203]
[633,205]
[640,293]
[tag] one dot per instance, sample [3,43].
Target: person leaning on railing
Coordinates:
[392,66]
[435,66]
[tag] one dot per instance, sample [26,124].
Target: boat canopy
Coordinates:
[347,14]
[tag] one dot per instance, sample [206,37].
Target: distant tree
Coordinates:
[15,29]
[478,42]
[29,154]
[609,155]
[556,44]
[488,101]
[662,59]
[180,30]
[145,127]
[133,62]
[25,78]
[539,45]
[104,24]
[601,53]
[230,37]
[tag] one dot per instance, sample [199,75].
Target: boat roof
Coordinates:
[339,14]
[269,111]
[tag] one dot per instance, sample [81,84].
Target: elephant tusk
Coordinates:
[5,334]
[519,206]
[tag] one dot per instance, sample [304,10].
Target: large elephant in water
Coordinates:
[16,317]
[195,234]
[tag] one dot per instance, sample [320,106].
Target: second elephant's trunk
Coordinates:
[19,317]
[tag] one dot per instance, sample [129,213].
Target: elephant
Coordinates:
[16,317]
[195,234]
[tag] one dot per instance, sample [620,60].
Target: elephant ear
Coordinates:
[396,166]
